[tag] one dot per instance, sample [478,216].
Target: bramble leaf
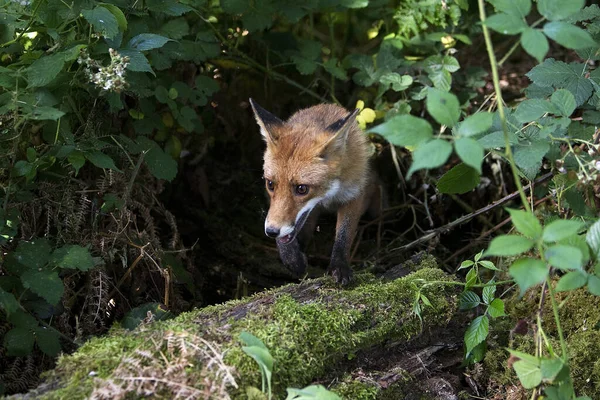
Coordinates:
[470,151]
[528,272]
[558,9]
[569,36]
[443,106]
[526,223]
[509,245]
[405,130]
[477,332]
[506,24]
[564,257]
[460,179]
[535,43]
[571,281]
[45,284]
[561,229]
[475,124]
[430,155]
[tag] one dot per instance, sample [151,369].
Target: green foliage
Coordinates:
[255,348]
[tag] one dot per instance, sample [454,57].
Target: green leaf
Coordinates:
[460,179]
[8,302]
[518,8]
[48,341]
[532,109]
[33,254]
[529,374]
[101,160]
[175,28]
[405,130]
[160,164]
[147,41]
[509,245]
[564,257]
[552,73]
[551,368]
[468,300]
[256,349]
[44,70]
[564,101]
[312,392]
[73,257]
[506,24]
[528,272]
[594,285]
[255,17]
[471,278]
[535,43]
[430,155]
[496,308]
[475,124]
[593,238]
[137,61]
[559,9]
[332,66]
[489,265]
[477,332]
[118,14]
[526,223]
[569,36]
[397,81]
[77,160]
[18,342]
[443,107]
[466,264]
[529,156]
[470,151]
[561,229]
[46,113]
[571,281]
[45,284]
[103,21]
[489,293]
[496,139]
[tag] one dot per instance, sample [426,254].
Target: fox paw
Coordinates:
[292,257]
[341,273]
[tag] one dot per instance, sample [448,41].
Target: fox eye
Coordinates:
[301,190]
[270,185]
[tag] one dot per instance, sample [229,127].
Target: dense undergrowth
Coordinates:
[127,145]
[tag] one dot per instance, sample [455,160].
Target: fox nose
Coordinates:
[272,232]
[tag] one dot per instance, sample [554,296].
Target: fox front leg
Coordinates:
[292,256]
[347,222]
[292,253]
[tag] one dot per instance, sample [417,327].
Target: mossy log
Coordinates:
[314,330]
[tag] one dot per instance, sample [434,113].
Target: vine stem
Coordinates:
[500,101]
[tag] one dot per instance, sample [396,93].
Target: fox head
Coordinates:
[302,163]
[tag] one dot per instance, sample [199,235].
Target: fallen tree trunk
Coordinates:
[312,330]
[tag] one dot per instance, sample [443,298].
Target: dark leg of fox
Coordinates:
[347,222]
[292,254]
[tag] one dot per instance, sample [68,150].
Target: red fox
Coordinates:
[318,159]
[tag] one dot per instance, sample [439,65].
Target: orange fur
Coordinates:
[322,149]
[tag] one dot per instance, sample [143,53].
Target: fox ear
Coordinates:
[340,130]
[266,121]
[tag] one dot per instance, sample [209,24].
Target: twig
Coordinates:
[444,229]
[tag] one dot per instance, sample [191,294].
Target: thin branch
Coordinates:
[446,228]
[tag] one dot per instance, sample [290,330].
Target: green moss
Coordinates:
[584,348]
[308,339]
[579,311]
[356,390]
